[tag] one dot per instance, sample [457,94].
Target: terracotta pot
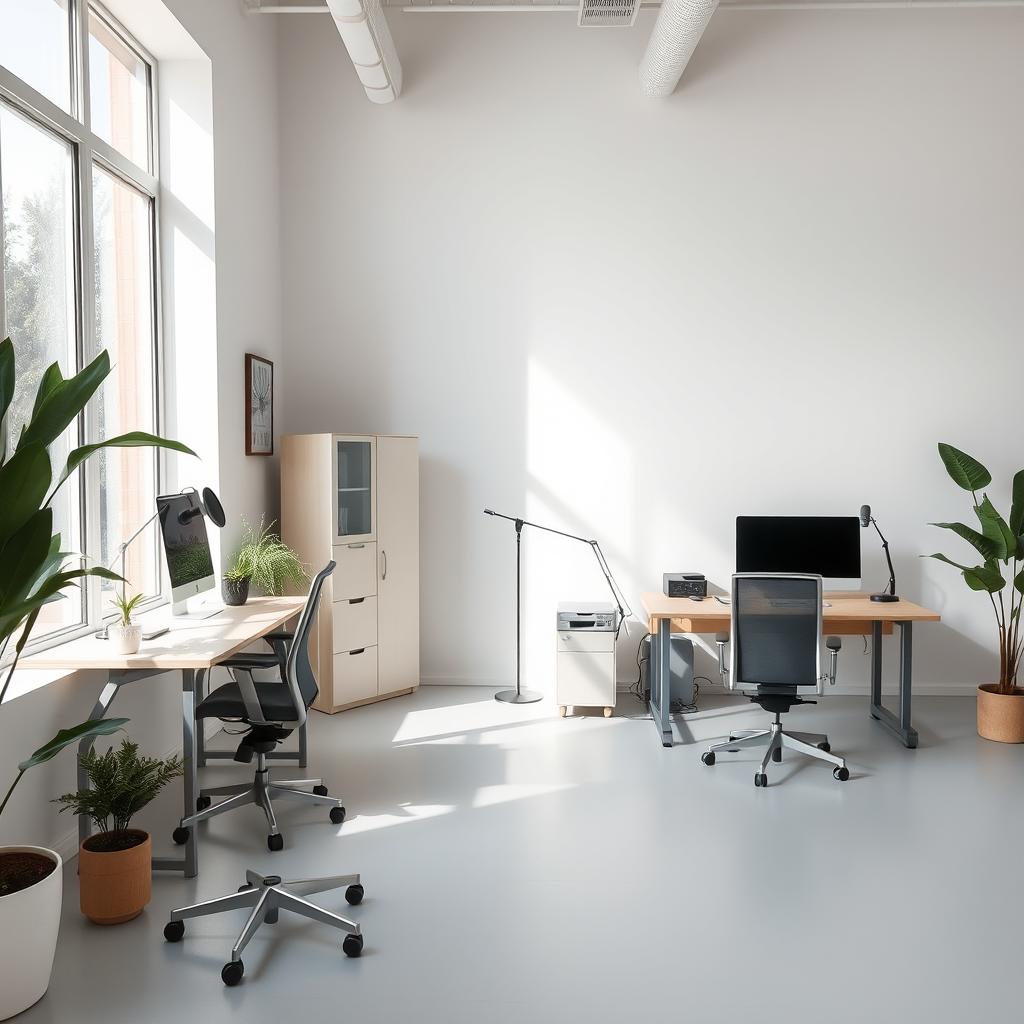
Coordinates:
[115,886]
[29,921]
[1000,715]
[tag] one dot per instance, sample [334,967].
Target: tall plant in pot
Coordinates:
[115,865]
[1000,543]
[34,570]
[262,559]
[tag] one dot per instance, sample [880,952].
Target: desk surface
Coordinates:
[847,608]
[190,643]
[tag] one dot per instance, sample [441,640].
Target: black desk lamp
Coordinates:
[867,519]
[519,695]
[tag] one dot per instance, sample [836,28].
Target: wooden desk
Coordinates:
[844,613]
[193,647]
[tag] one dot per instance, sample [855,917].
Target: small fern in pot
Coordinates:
[265,561]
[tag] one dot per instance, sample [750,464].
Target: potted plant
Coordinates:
[34,570]
[124,635]
[115,873]
[262,559]
[1000,543]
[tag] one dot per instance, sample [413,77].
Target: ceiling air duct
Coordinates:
[607,13]
[365,33]
[676,34]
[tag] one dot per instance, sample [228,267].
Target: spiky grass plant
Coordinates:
[265,560]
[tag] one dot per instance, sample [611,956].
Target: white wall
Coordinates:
[772,293]
[215,313]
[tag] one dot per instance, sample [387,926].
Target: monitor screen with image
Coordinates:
[186,546]
[826,546]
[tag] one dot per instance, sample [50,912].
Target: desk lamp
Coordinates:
[208,505]
[867,519]
[519,695]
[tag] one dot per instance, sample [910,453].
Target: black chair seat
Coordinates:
[226,702]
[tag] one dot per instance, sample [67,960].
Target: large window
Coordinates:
[78,275]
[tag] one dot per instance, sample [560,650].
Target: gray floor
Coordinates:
[523,868]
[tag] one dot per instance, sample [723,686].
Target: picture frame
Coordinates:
[259,405]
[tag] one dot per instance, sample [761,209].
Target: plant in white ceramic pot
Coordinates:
[1000,543]
[34,570]
[124,635]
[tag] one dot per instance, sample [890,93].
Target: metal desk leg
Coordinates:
[899,725]
[100,709]
[661,649]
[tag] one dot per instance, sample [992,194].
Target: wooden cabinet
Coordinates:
[355,498]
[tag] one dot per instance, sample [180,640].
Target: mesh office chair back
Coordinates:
[298,669]
[776,630]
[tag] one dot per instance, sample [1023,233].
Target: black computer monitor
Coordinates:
[189,562]
[827,546]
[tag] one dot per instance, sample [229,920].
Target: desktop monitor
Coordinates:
[186,546]
[826,546]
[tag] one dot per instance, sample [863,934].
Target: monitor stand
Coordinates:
[182,612]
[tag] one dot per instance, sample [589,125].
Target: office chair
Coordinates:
[270,711]
[776,650]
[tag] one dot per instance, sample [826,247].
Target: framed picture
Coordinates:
[259,405]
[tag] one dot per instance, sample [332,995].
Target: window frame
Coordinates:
[88,151]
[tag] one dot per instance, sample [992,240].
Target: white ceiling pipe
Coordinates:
[365,33]
[676,34]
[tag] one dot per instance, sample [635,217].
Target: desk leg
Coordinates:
[661,650]
[100,708]
[200,693]
[899,725]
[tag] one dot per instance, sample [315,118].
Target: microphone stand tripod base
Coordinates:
[518,696]
[885,598]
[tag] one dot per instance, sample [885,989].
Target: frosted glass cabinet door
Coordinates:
[354,489]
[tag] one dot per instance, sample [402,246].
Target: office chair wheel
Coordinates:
[275,842]
[353,945]
[760,779]
[231,973]
[203,802]
[826,746]
[180,835]
[708,757]
[320,790]
[244,888]
[337,815]
[271,916]
[354,894]
[174,931]
[777,755]
[842,773]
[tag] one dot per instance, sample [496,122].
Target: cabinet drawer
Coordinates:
[586,679]
[355,675]
[581,640]
[355,623]
[356,574]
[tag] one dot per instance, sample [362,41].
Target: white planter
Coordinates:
[29,922]
[124,639]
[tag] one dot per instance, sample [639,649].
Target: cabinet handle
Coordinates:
[383,565]
[360,651]
[357,545]
[356,600]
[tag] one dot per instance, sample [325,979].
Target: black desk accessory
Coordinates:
[684,584]
[867,519]
[519,695]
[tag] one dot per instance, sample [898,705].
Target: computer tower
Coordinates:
[680,668]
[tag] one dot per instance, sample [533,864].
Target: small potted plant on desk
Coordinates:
[1000,543]
[264,560]
[115,865]
[125,636]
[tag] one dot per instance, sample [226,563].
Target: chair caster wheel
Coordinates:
[842,773]
[174,931]
[231,973]
[203,802]
[353,945]
[337,815]
[777,755]
[760,779]
[271,916]
[708,757]
[275,843]
[354,894]
[180,835]
[320,790]
[826,746]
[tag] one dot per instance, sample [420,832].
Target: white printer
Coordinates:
[585,641]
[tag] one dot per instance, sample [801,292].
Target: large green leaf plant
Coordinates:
[34,570]
[1000,543]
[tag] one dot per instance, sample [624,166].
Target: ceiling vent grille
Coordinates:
[608,13]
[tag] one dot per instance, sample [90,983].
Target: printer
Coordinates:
[586,656]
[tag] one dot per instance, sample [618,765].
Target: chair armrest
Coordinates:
[253,660]
[834,645]
[279,634]
[247,689]
[723,669]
